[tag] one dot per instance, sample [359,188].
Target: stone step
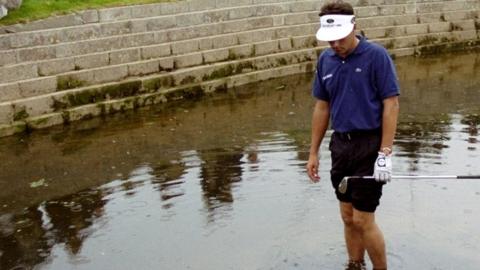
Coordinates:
[47,103]
[106,90]
[165,57]
[76,80]
[142,61]
[43,69]
[27,71]
[428,40]
[38,53]
[415,7]
[132,26]
[107,107]
[85,49]
[149,24]
[409,19]
[415,29]
[158,9]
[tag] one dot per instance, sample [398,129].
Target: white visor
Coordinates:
[335,27]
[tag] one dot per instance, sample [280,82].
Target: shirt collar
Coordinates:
[362,45]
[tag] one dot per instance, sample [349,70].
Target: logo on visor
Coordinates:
[330,20]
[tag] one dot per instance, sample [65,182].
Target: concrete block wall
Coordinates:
[98,62]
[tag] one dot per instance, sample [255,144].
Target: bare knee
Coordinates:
[348,221]
[346,211]
[360,222]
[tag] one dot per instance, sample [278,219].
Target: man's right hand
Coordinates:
[312,168]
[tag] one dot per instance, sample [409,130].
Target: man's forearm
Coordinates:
[320,118]
[389,121]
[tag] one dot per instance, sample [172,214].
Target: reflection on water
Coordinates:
[27,237]
[219,183]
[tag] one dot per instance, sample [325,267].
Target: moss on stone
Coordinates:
[20,128]
[390,44]
[38,122]
[309,67]
[455,27]
[147,101]
[95,95]
[83,97]
[477,25]
[219,73]
[442,18]
[69,82]
[363,3]
[155,84]
[428,40]
[152,85]
[187,80]
[282,61]
[445,39]
[232,55]
[243,65]
[310,42]
[66,117]
[87,116]
[121,90]
[389,32]
[136,102]
[20,115]
[450,46]
[190,93]
[167,82]
[103,109]
[223,88]
[59,105]
[433,49]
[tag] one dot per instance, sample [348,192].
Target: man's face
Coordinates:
[343,46]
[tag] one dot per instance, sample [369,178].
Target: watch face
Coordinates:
[381,162]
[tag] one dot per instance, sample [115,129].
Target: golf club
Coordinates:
[342,187]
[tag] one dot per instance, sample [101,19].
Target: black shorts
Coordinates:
[354,154]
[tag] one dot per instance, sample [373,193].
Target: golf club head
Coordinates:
[342,187]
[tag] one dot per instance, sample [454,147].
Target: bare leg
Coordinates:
[372,238]
[353,237]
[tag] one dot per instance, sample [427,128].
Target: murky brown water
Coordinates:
[220,183]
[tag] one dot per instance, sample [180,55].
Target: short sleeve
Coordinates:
[318,88]
[386,80]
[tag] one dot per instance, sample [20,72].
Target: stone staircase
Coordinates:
[99,62]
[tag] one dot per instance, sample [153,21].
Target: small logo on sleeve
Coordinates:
[327,77]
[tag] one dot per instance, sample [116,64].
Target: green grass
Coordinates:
[38,9]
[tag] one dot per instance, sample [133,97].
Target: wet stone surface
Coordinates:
[219,183]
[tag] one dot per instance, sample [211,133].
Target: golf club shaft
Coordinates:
[422,177]
[342,187]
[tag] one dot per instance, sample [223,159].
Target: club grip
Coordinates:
[468,177]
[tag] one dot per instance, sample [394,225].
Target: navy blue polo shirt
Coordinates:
[356,86]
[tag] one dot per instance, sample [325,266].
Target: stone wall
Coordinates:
[99,62]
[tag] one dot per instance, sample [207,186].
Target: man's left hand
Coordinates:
[383,168]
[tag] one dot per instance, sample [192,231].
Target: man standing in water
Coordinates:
[357,88]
